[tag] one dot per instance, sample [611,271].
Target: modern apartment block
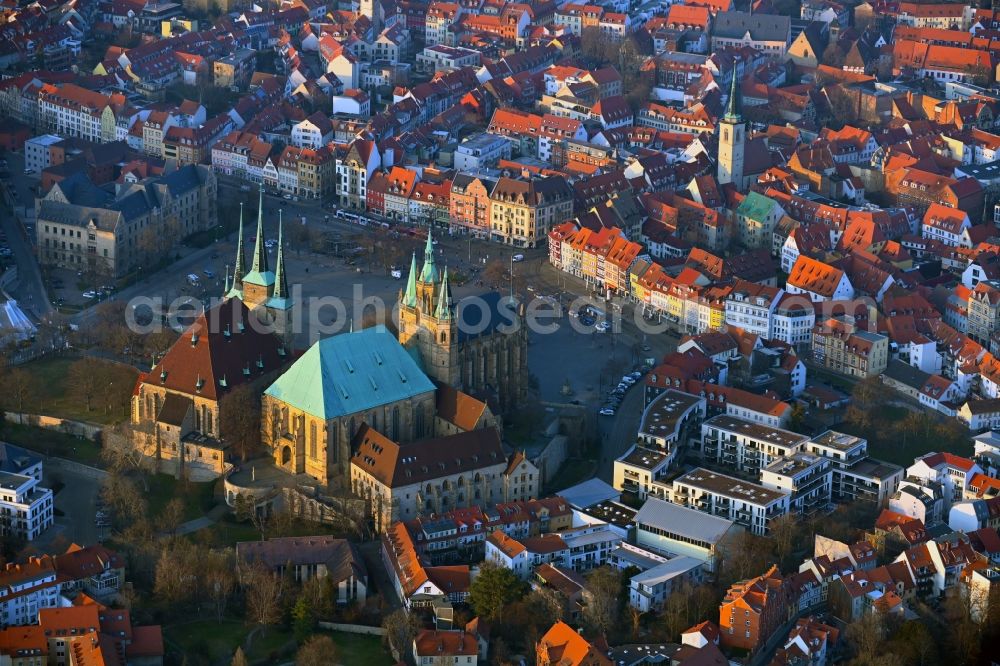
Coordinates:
[670,420]
[855,475]
[638,469]
[745,446]
[25,506]
[807,477]
[746,503]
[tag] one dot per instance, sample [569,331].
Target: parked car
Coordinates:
[208,273]
[607,411]
[90,293]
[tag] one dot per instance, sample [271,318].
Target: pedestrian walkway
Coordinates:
[215,514]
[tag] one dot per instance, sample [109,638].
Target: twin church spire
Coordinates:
[426,281]
[259,273]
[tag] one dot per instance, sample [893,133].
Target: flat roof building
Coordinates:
[746,446]
[669,420]
[638,468]
[744,502]
[675,530]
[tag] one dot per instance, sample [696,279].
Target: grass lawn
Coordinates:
[219,640]
[57,400]
[216,640]
[228,531]
[198,497]
[360,650]
[52,443]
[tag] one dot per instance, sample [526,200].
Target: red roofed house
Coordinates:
[944,224]
[820,281]
[753,610]
[562,645]
[433,647]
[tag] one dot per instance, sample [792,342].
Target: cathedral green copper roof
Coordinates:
[350,373]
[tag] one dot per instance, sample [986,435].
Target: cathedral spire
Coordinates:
[241,266]
[733,104]
[429,274]
[444,299]
[410,296]
[259,252]
[280,288]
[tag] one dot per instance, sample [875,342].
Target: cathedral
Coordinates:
[263,291]
[478,347]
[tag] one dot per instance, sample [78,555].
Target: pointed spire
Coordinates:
[733,104]
[444,299]
[410,296]
[241,265]
[259,252]
[280,288]
[430,273]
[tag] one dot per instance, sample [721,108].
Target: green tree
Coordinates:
[303,618]
[493,590]
[797,419]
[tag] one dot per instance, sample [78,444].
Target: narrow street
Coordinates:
[29,290]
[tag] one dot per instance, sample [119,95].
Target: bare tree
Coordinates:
[123,497]
[245,507]
[401,628]
[172,516]
[219,580]
[675,613]
[122,454]
[239,420]
[176,578]
[85,378]
[604,585]
[20,389]
[317,651]
[262,591]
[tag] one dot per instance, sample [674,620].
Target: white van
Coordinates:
[517,257]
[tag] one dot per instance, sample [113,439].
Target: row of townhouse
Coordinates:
[602,258]
[689,300]
[515,211]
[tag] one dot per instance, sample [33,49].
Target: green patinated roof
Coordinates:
[755,206]
[280,303]
[265,279]
[350,373]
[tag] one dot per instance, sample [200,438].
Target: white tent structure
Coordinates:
[14,324]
